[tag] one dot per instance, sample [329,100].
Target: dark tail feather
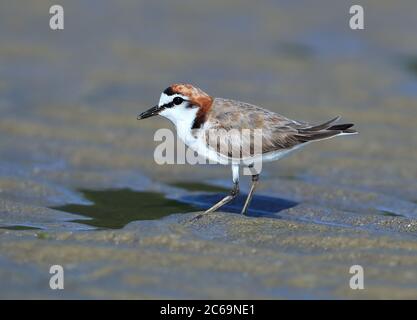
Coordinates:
[311,136]
[323,131]
[305,135]
[322,126]
[350,131]
[341,127]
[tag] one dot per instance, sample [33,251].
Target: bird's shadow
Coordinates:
[261,206]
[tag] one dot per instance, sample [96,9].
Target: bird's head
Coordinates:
[181,102]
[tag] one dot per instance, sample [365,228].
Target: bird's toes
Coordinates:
[197,217]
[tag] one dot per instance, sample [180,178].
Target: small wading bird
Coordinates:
[194,113]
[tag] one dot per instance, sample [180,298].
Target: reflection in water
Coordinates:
[116,208]
[198,186]
[261,206]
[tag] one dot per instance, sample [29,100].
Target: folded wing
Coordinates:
[230,118]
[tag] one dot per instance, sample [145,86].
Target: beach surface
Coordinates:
[79,186]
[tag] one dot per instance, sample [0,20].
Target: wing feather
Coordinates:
[278,132]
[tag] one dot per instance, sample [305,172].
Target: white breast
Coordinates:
[183,119]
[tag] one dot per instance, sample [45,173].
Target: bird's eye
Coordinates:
[178,100]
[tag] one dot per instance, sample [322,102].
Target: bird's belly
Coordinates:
[276,155]
[198,144]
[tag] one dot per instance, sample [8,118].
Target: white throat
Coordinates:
[181,116]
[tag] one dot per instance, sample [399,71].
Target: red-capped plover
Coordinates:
[194,114]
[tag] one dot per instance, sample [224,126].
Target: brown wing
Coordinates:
[229,118]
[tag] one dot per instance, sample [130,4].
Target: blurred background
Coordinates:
[70,141]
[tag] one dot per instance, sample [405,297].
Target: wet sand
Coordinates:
[70,142]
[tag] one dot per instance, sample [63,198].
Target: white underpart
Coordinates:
[276,155]
[346,134]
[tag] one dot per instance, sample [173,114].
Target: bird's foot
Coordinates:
[199,216]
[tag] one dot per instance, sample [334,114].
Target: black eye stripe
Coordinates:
[170,104]
[167,105]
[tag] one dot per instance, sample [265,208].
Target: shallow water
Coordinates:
[116,208]
[113,209]
[79,186]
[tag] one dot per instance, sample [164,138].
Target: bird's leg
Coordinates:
[255,179]
[227,199]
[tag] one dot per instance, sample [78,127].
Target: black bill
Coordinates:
[149,113]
